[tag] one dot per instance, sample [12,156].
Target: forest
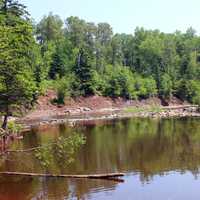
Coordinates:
[80,58]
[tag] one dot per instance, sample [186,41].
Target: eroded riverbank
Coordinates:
[99,108]
[85,115]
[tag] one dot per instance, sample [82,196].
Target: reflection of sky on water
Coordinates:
[172,186]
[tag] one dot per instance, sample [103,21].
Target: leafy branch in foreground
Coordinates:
[62,151]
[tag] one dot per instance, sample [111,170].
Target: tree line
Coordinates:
[80,58]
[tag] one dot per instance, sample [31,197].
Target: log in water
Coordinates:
[91,176]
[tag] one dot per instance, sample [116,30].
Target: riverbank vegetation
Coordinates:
[80,58]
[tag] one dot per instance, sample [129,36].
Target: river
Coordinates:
[160,159]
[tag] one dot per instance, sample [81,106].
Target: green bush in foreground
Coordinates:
[62,151]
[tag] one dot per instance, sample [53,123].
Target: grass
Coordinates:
[154,109]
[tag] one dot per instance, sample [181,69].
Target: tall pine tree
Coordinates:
[17,86]
[84,73]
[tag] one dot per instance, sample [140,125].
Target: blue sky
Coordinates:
[125,15]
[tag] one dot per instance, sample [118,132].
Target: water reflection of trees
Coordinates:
[147,146]
[21,188]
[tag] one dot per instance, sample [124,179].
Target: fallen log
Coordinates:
[108,176]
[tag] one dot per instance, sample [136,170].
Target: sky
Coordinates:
[124,15]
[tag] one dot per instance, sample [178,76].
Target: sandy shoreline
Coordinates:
[109,114]
[95,108]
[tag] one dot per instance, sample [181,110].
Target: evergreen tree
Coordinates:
[57,66]
[84,74]
[16,69]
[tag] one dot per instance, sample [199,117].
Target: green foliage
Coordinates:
[157,61]
[166,86]
[13,127]
[44,156]
[57,66]
[62,151]
[94,60]
[193,91]
[47,50]
[62,59]
[121,82]
[145,87]
[63,88]
[45,85]
[84,74]
[17,85]
[151,89]
[49,28]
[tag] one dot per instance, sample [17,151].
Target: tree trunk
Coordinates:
[4,143]
[5,122]
[4,126]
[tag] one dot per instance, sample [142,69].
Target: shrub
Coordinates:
[145,87]
[193,91]
[13,127]
[120,83]
[63,89]
[166,86]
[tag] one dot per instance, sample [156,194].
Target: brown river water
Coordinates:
[160,159]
